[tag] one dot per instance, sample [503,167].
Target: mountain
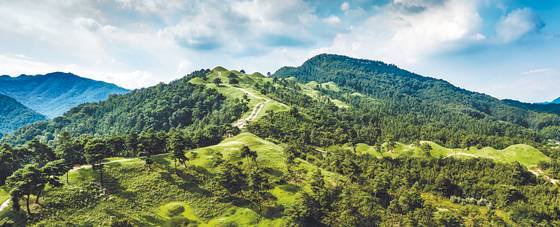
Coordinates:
[55,93]
[337,141]
[159,108]
[431,105]
[556,101]
[539,107]
[13,115]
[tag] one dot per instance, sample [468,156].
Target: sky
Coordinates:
[508,48]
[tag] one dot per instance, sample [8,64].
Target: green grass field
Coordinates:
[522,153]
[310,89]
[3,194]
[158,196]
[244,87]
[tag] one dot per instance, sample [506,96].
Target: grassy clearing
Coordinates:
[242,89]
[156,195]
[310,89]
[522,153]
[467,211]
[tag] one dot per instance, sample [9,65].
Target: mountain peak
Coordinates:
[54,93]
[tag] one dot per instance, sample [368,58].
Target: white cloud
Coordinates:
[535,71]
[403,37]
[137,43]
[518,23]
[345,6]
[333,20]
[16,65]
[538,85]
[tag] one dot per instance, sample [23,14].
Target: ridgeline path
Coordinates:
[241,123]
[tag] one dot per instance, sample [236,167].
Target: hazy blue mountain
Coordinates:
[14,115]
[55,93]
[556,100]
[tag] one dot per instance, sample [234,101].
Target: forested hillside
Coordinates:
[404,105]
[13,115]
[179,104]
[53,94]
[336,142]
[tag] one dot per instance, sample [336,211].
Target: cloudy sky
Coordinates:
[508,48]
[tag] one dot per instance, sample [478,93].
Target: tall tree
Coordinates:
[176,143]
[94,153]
[41,152]
[68,150]
[24,182]
[246,152]
[51,174]
[8,162]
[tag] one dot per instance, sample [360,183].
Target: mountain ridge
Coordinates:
[13,115]
[54,93]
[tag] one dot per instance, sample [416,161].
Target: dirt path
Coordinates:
[115,161]
[4,205]
[539,172]
[462,154]
[241,123]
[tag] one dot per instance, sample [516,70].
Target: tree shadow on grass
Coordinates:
[114,186]
[184,181]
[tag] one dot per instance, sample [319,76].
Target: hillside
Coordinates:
[53,94]
[13,115]
[431,105]
[556,101]
[225,148]
[179,104]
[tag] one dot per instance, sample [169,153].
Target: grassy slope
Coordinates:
[310,89]
[238,91]
[160,197]
[522,153]
[3,194]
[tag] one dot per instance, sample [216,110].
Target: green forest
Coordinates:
[335,142]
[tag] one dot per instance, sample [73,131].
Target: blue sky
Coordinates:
[508,49]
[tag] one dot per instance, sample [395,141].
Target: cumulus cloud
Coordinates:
[333,20]
[518,23]
[399,36]
[26,65]
[136,43]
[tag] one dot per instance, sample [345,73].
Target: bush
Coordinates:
[175,210]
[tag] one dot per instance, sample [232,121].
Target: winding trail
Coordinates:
[4,204]
[462,154]
[538,171]
[241,123]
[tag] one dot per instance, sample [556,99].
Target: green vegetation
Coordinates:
[350,147]
[522,153]
[14,115]
[408,107]
[179,104]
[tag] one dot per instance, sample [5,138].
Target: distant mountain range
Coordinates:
[556,100]
[53,94]
[14,115]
